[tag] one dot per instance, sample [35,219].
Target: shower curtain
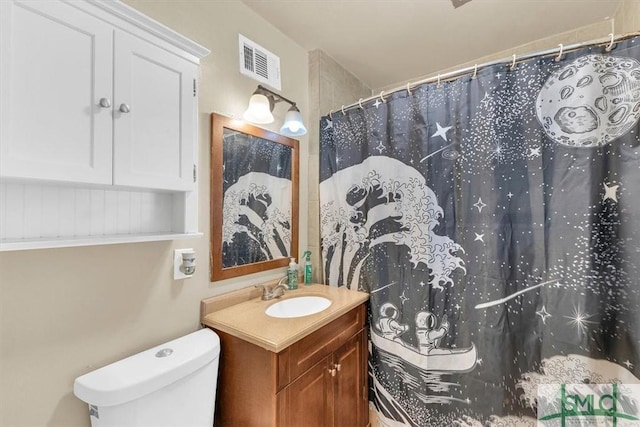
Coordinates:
[495,222]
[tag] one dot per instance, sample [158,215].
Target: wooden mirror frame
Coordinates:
[218,124]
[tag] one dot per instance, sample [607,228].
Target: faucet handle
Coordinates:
[268,292]
[265,289]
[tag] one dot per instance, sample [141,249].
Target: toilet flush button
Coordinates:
[164,352]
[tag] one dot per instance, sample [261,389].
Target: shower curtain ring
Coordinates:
[330,116]
[610,45]
[513,63]
[342,108]
[438,84]
[475,71]
[360,103]
[408,89]
[382,97]
[559,57]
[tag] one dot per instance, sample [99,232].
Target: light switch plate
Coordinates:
[178,274]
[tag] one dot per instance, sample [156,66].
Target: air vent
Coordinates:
[258,63]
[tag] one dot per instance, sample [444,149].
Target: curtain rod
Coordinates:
[610,40]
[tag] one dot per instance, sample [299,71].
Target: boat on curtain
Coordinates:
[438,359]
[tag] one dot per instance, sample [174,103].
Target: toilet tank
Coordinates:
[173,384]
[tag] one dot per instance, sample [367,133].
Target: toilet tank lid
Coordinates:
[143,373]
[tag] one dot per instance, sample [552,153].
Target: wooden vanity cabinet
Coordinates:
[320,380]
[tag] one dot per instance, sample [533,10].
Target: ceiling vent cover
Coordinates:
[258,63]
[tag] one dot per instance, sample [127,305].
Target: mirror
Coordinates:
[254,198]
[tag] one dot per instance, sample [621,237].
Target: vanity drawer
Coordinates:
[302,355]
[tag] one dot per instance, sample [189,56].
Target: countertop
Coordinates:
[247,320]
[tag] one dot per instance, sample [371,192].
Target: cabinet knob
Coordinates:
[105,102]
[338,366]
[332,372]
[124,108]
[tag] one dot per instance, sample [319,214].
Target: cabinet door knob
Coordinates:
[338,366]
[105,102]
[124,108]
[333,372]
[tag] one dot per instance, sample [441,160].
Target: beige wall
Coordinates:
[625,21]
[64,312]
[330,85]
[627,18]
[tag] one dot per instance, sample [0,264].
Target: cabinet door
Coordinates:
[350,383]
[55,67]
[308,401]
[154,116]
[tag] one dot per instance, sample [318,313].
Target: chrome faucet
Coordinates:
[269,293]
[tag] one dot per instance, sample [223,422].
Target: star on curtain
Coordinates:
[479,204]
[441,132]
[543,314]
[610,192]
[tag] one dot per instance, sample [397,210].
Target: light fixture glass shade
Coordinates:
[293,125]
[259,110]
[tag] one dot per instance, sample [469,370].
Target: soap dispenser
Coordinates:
[292,274]
[308,268]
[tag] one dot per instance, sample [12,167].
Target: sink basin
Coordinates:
[298,307]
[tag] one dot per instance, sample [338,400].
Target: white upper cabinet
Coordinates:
[86,101]
[98,119]
[154,116]
[56,65]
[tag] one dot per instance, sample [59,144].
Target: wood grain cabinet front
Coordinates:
[320,380]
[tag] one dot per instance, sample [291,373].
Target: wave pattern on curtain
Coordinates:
[495,222]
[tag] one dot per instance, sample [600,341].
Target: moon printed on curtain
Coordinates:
[256,223]
[495,223]
[591,101]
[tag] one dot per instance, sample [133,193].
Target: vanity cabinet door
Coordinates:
[55,93]
[350,391]
[308,401]
[333,392]
[154,116]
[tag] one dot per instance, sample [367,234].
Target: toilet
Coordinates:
[173,384]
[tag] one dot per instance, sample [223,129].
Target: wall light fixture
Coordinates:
[261,105]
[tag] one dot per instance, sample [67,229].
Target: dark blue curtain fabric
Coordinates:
[495,222]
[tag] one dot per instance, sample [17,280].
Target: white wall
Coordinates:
[64,312]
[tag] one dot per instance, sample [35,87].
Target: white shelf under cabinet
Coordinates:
[24,244]
[36,215]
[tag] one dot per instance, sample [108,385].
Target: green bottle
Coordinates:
[308,268]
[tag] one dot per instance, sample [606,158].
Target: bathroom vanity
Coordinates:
[302,371]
